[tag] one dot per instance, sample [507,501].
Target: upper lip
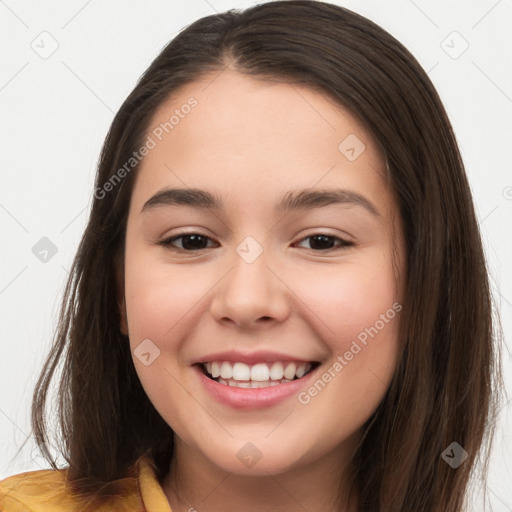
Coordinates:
[250,357]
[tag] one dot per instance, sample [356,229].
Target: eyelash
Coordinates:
[167,243]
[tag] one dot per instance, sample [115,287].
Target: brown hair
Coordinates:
[443,390]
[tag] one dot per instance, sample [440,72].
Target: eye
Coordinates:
[325,242]
[190,242]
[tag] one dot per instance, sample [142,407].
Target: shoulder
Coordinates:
[48,490]
[35,491]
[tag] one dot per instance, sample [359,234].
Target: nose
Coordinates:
[251,295]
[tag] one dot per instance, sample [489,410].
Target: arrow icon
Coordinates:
[454,455]
[44,250]
[146,352]
[249,253]
[351,147]
[45,45]
[451,455]
[249,455]
[454,45]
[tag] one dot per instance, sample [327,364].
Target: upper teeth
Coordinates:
[257,372]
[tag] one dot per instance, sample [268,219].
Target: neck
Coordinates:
[196,484]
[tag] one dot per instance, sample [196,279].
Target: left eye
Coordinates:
[324,242]
[196,242]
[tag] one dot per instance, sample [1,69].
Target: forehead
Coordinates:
[230,132]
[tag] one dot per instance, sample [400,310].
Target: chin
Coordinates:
[256,458]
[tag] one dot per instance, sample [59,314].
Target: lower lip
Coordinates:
[252,398]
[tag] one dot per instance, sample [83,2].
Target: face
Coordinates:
[262,307]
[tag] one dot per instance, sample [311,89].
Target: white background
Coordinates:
[56,113]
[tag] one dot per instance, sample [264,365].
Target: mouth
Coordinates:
[259,375]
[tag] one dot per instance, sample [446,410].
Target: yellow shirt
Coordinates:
[45,491]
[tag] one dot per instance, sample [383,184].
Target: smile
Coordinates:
[259,375]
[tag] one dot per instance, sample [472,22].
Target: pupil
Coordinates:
[193,242]
[325,242]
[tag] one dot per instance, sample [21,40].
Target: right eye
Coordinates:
[190,242]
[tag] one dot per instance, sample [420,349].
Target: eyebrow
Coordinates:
[293,200]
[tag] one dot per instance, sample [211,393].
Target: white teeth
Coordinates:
[215,371]
[254,384]
[241,371]
[301,370]
[260,372]
[276,371]
[255,376]
[289,371]
[226,370]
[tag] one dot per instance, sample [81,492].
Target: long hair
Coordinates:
[443,389]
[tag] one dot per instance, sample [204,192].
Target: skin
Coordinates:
[251,141]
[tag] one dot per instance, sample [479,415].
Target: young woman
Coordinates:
[280,301]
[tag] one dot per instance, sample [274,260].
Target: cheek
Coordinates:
[348,299]
[157,299]
[357,311]
[158,303]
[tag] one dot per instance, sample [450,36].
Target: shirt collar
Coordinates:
[151,491]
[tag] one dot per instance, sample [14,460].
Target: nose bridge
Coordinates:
[250,275]
[250,290]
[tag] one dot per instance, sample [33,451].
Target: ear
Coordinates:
[121,303]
